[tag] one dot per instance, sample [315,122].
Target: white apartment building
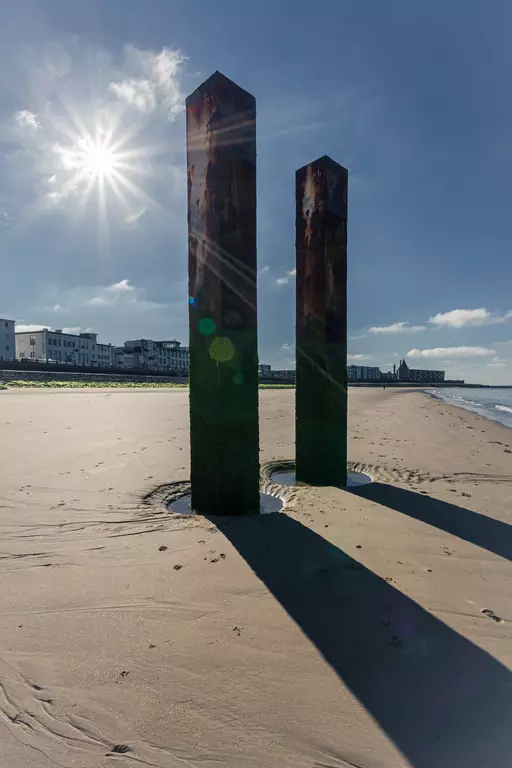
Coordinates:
[58,347]
[105,355]
[363,373]
[7,340]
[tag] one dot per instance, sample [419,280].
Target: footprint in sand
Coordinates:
[119,749]
[491,615]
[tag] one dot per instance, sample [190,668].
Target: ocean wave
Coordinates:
[490,410]
[470,402]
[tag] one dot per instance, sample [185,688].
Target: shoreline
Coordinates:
[371,628]
[487,410]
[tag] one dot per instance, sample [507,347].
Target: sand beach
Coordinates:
[369,629]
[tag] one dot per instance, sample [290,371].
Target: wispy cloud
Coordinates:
[359,357]
[358,336]
[401,327]
[139,94]
[5,218]
[121,287]
[118,311]
[290,275]
[111,293]
[30,328]
[264,270]
[132,218]
[451,352]
[462,318]
[154,82]
[80,154]
[498,362]
[27,119]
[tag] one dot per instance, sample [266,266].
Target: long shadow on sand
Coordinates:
[444,702]
[485,532]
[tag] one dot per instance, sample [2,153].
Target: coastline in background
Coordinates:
[495,404]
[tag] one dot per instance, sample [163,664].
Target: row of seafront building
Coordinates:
[403,374]
[84,349]
[371,374]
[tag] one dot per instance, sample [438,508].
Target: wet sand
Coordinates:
[355,629]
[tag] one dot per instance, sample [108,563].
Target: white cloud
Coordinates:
[121,287]
[122,113]
[264,269]
[75,329]
[117,312]
[462,318]
[121,295]
[154,81]
[358,336]
[287,346]
[359,357]
[27,119]
[451,352]
[20,328]
[290,275]
[139,94]
[498,362]
[5,218]
[401,327]
[132,218]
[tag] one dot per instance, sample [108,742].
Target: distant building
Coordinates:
[285,375]
[58,347]
[363,373]
[105,355]
[153,355]
[7,340]
[419,375]
[267,372]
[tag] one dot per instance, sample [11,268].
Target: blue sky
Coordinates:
[414,98]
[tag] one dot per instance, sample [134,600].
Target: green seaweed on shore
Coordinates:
[77,384]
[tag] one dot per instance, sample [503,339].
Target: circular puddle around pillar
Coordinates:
[268,505]
[287,477]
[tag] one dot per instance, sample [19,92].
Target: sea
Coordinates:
[495,404]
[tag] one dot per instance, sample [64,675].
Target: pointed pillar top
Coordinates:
[217,83]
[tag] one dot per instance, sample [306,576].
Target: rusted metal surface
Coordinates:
[321,324]
[221,159]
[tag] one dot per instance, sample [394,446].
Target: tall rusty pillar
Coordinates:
[221,158]
[321,324]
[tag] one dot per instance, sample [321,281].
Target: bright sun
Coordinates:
[101,164]
[95,159]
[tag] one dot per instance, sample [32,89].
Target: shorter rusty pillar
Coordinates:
[321,326]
